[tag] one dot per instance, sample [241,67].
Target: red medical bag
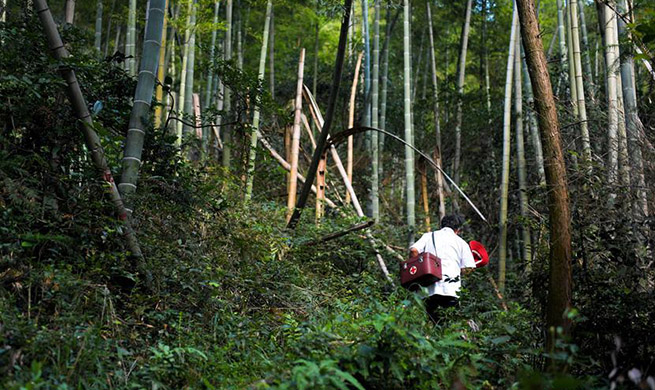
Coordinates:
[421,270]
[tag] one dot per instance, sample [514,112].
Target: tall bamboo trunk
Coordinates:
[190,71]
[579,86]
[161,72]
[316,46]
[586,60]
[255,121]
[487,87]
[385,83]
[534,126]
[227,94]
[461,72]
[520,154]
[367,69]
[504,183]
[295,139]
[624,163]
[140,114]
[271,54]
[409,153]
[375,200]
[69,14]
[130,41]
[212,60]
[563,51]
[559,292]
[437,124]
[181,103]
[611,64]
[633,123]
[98,33]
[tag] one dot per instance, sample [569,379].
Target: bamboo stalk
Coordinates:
[295,139]
[351,121]
[85,124]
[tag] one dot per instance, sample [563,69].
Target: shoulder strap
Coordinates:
[434,245]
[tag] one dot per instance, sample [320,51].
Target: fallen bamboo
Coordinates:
[287,166]
[316,114]
[341,233]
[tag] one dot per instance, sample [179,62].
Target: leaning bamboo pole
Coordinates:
[284,164]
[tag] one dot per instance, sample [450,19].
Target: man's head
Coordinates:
[453,221]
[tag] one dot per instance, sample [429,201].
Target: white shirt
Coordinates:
[454,253]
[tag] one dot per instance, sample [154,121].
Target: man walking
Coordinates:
[455,255]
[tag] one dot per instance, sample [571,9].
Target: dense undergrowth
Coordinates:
[238,301]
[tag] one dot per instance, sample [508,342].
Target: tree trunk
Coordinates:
[437,125]
[375,201]
[520,154]
[461,71]
[295,139]
[140,114]
[227,96]
[409,153]
[504,183]
[559,291]
[255,121]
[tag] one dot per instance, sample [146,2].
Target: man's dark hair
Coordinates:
[453,221]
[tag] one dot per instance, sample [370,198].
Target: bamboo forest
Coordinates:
[327,194]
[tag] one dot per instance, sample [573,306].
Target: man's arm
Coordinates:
[466,271]
[413,252]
